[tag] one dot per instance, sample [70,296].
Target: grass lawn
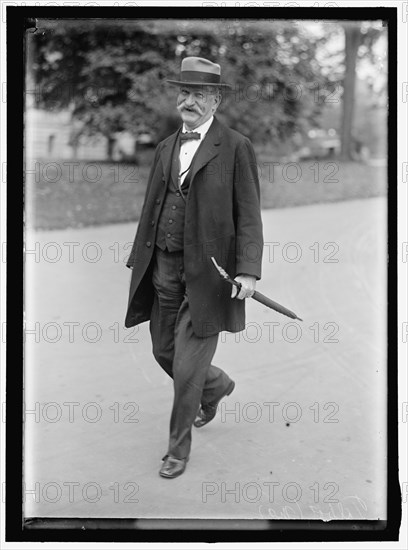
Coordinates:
[62,194]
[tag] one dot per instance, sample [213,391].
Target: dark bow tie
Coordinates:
[184,136]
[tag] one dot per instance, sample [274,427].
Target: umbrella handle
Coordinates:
[256,295]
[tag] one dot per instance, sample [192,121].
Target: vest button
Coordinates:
[173,207]
[148,244]
[170,221]
[152,222]
[169,235]
[157,201]
[177,194]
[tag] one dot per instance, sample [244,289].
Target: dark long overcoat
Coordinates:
[222,219]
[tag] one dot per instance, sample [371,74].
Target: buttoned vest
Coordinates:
[170,230]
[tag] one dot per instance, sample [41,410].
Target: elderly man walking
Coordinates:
[202,200]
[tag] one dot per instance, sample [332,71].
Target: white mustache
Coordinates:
[189,109]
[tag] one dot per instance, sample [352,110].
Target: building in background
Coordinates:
[53,135]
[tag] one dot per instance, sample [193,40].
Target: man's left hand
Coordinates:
[248,283]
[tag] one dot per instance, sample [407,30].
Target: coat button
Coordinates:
[152,222]
[148,244]
[177,194]
[169,235]
[173,207]
[157,201]
[170,221]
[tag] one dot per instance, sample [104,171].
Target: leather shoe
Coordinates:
[173,467]
[207,413]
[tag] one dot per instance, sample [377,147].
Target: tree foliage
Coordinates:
[111,74]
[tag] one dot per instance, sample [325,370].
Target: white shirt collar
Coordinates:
[203,129]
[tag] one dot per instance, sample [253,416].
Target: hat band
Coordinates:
[199,76]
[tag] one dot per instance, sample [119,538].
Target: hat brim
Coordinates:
[199,84]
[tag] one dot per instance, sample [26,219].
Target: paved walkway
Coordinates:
[304,433]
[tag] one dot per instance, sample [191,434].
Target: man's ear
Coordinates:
[219,99]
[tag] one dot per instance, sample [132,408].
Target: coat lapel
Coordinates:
[208,149]
[167,155]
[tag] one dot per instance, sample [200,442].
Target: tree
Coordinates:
[356,34]
[111,74]
[352,35]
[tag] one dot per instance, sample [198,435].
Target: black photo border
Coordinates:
[19,528]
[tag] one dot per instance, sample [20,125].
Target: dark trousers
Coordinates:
[183,355]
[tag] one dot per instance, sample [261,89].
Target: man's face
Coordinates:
[196,105]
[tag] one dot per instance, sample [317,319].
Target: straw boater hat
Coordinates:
[197,71]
